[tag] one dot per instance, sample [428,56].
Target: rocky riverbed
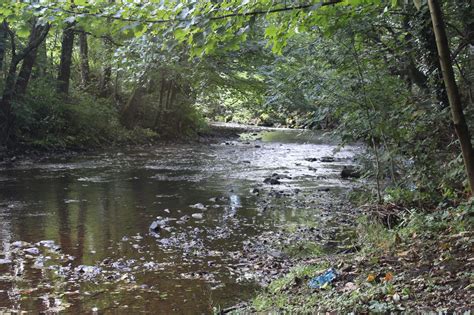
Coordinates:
[171,228]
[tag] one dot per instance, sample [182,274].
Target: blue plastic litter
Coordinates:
[327,277]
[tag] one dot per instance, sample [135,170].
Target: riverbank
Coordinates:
[423,264]
[213,133]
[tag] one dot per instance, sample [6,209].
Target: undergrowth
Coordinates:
[399,269]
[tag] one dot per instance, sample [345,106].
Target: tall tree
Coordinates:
[84,54]
[7,117]
[3,42]
[29,60]
[64,74]
[454,97]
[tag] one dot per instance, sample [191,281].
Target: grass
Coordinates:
[407,268]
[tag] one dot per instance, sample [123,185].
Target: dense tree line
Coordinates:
[394,74]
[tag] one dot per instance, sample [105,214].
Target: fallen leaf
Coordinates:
[371,277]
[388,276]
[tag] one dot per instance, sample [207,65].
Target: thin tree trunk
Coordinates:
[454,97]
[3,43]
[42,60]
[28,62]
[104,86]
[84,53]
[160,104]
[64,73]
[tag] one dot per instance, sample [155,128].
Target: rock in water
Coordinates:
[327,159]
[32,251]
[199,206]
[157,225]
[348,172]
[197,216]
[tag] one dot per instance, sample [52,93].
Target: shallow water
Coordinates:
[98,208]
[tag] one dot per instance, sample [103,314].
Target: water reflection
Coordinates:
[99,207]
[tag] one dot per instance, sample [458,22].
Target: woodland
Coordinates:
[395,76]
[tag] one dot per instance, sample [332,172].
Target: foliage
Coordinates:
[390,272]
[366,69]
[45,120]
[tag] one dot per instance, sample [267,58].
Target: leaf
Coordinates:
[371,277]
[271,31]
[388,276]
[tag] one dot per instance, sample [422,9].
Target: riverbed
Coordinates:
[75,231]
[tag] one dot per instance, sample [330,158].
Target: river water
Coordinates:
[75,235]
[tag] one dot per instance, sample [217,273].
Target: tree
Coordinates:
[84,55]
[459,120]
[64,73]
[7,116]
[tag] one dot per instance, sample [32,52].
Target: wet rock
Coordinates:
[350,172]
[5,261]
[312,159]
[47,244]
[258,146]
[19,244]
[255,191]
[199,206]
[88,271]
[197,216]
[273,180]
[327,159]
[246,161]
[32,251]
[185,218]
[157,225]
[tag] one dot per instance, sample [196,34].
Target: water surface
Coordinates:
[97,209]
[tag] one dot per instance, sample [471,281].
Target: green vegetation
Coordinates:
[394,75]
[395,270]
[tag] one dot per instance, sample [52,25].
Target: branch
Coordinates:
[12,38]
[322,3]
[105,37]
[34,44]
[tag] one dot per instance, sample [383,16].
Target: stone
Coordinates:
[197,216]
[327,159]
[32,251]
[349,172]
[199,206]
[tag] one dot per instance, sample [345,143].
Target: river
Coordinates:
[75,235]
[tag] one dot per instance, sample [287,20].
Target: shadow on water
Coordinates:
[96,210]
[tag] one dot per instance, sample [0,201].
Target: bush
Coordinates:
[43,119]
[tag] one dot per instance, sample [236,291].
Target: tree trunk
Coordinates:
[64,73]
[104,86]
[3,43]
[428,41]
[84,53]
[159,110]
[29,61]
[454,97]
[7,117]
[42,60]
